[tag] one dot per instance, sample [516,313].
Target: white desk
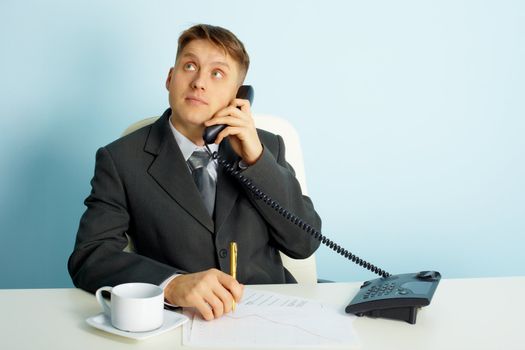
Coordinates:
[485,313]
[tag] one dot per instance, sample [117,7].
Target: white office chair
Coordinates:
[304,270]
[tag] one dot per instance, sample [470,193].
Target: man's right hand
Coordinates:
[211,292]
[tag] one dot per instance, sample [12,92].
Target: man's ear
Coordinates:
[168,79]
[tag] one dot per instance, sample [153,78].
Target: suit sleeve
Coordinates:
[98,258]
[275,177]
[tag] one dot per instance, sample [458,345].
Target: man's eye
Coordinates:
[189,67]
[217,74]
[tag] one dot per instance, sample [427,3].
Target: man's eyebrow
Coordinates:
[220,63]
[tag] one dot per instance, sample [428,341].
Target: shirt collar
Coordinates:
[186,146]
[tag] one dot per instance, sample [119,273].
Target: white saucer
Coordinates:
[171,320]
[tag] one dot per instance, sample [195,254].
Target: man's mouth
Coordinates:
[194,100]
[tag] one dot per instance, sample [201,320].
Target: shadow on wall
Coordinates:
[43,204]
[56,130]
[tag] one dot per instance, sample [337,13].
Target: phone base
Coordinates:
[407,314]
[395,297]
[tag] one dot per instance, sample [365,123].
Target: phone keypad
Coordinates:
[379,291]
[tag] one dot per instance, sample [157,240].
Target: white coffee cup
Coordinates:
[134,307]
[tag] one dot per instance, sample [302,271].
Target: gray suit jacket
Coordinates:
[142,187]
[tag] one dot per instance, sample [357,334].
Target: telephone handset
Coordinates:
[390,296]
[245,92]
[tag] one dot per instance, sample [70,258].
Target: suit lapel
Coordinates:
[227,186]
[170,171]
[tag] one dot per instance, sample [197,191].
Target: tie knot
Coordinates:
[198,159]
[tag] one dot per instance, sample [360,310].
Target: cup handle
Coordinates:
[105,305]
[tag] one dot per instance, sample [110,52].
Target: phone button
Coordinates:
[402,291]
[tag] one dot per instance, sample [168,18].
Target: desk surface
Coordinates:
[484,313]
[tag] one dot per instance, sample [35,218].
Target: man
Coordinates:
[146,188]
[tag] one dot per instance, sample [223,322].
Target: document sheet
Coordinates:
[264,319]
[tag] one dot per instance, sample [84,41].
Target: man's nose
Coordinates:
[199,81]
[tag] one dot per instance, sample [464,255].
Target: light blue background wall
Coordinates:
[411,116]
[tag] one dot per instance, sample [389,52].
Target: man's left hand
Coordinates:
[241,130]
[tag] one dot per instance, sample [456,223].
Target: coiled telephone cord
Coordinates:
[230,169]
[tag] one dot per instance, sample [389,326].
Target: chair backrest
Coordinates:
[304,270]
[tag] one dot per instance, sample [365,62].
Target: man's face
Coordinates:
[203,81]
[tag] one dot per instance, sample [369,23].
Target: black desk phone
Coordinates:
[390,296]
[396,296]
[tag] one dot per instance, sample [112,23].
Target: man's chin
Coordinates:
[195,120]
[189,123]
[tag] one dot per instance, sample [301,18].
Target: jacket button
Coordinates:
[223,253]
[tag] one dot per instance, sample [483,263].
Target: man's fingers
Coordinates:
[232,285]
[237,291]
[234,112]
[215,303]
[229,111]
[229,120]
[205,310]
[211,292]
[230,130]
[243,104]
[225,296]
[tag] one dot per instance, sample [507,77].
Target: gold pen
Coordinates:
[233,264]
